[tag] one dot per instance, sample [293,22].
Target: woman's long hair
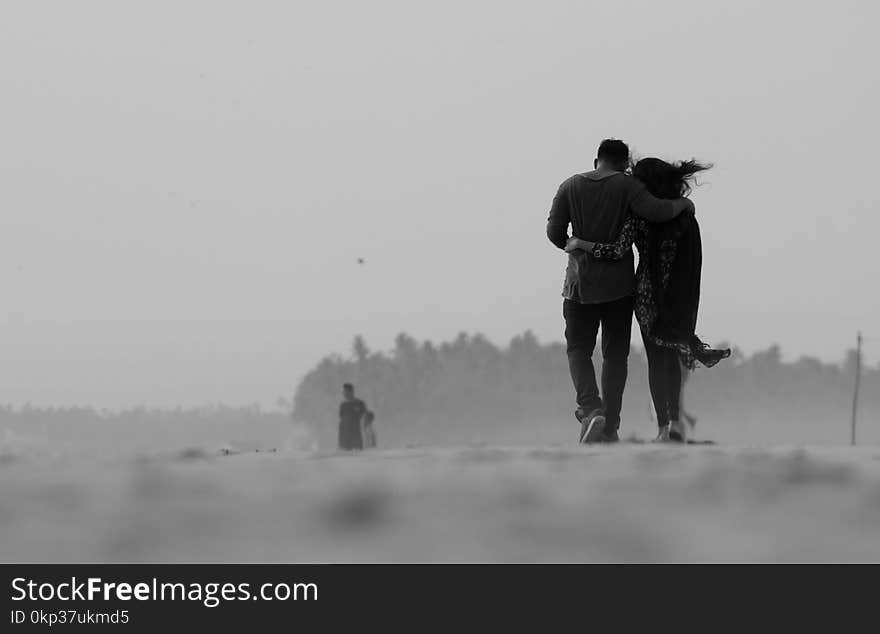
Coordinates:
[668,180]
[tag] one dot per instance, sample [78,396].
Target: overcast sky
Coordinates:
[185,187]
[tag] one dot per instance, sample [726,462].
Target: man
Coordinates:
[596,292]
[351,411]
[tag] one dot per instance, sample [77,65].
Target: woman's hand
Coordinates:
[576,243]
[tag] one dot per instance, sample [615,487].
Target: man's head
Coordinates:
[613,154]
[348,391]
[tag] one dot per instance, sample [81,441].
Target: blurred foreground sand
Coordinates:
[632,503]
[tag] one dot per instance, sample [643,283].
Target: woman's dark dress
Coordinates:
[666,302]
[667,283]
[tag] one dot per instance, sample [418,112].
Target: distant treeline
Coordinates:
[470,390]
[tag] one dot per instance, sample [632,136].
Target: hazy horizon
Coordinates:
[187,187]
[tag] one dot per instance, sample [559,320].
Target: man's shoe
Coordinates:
[592,426]
[677,431]
[610,437]
[663,435]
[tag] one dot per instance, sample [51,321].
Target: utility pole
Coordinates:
[855,405]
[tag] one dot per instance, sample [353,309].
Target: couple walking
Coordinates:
[609,210]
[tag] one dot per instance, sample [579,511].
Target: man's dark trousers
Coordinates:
[581,328]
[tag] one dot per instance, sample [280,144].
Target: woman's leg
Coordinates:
[673,383]
[657,379]
[690,418]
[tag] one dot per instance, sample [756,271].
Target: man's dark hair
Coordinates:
[348,386]
[613,151]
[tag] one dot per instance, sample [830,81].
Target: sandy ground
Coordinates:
[629,503]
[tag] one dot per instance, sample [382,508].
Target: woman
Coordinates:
[667,289]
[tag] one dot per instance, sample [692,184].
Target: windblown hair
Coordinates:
[668,180]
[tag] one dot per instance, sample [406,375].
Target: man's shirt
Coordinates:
[351,412]
[596,204]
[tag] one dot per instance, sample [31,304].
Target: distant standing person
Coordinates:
[351,413]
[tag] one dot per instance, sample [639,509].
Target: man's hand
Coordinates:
[683,206]
[689,207]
